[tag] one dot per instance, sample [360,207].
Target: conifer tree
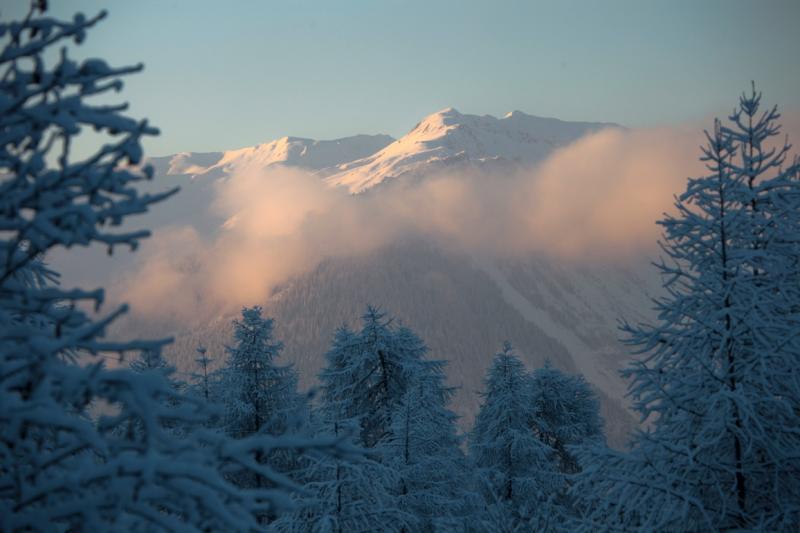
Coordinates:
[259,396]
[424,450]
[565,412]
[369,386]
[718,373]
[514,466]
[152,363]
[345,494]
[202,377]
[337,381]
[564,416]
[384,362]
[64,467]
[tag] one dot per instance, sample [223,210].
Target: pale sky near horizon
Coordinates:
[221,75]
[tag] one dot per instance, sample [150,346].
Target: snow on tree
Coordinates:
[337,382]
[63,467]
[515,468]
[773,188]
[375,388]
[259,396]
[718,371]
[565,412]
[424,450]
[564,415]
[344,495]
[382,363]
[152,362]
[258,392]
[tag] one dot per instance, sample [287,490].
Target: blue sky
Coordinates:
[226,74]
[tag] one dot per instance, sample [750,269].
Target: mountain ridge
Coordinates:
[449,137]
[359,162]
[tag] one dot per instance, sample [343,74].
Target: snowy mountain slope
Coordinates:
[187,162]
[298,152]
[449,138]
[303,153]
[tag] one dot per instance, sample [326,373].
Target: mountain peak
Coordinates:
[287,139]
[300,152]
[448,137]
[451,111]
[439,121]
[444,139]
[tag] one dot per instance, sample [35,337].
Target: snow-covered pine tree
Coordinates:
[346,495]
[62,468]
[336,380]
[564,415]
[719,371]
[424,449]
[565,412]
[772,182]
[343,494]
[515,468]
[364,384]
[259,396]
[384,363]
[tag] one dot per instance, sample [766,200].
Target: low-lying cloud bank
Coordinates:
[595,200]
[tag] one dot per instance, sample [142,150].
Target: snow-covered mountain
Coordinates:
[463,305]
[197,173]
[298,152]
[443,139]
[303,153]
[449,138]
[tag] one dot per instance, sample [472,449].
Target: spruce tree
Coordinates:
[372,382]
[152,361]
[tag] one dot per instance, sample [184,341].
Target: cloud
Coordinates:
[602,195]
[595,200]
